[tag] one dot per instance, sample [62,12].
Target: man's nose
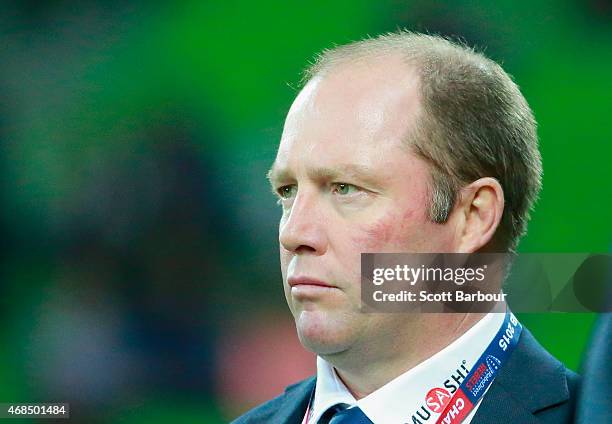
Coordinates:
[302,230]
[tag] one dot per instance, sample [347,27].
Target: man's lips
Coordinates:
[306,281]
[306,289]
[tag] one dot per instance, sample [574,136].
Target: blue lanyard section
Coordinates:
[494,357]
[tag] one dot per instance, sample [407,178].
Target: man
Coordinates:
[404,143]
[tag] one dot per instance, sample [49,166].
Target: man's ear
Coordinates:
[480,209]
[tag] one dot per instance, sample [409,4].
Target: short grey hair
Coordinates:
[474,123]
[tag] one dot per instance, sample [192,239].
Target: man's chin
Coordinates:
[321,333]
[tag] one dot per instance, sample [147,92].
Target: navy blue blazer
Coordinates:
[532,387]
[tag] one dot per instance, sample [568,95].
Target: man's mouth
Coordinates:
[307,281]
[306,288]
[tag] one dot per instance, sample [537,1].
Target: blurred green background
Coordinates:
[139,278]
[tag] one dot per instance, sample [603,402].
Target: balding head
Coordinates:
[382,94]
[471,119]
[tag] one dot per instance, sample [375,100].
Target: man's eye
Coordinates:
[287,191]
[343,189]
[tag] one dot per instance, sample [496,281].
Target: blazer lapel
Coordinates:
[501,407]
[530,381]
[295,402]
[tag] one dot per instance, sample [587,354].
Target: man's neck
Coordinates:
[368,368]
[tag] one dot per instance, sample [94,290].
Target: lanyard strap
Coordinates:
[483,373]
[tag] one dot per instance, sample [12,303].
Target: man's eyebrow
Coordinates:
[276,174]
[352,171]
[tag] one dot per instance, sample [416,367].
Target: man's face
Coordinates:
[349,185]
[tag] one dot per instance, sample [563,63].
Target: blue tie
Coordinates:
[339,414]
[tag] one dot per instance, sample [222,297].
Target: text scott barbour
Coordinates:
[445,296]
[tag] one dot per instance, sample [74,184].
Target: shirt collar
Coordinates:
[407,395]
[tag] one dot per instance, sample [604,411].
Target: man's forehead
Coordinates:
[368,77]
[348,120]
[372,78]
[321,158]
[360,103]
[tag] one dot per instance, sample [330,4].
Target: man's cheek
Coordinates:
[386,233]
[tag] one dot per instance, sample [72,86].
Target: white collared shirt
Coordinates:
[410,395]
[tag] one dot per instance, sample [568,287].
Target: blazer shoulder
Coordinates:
[563,411]
[533,387]
[293,399]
